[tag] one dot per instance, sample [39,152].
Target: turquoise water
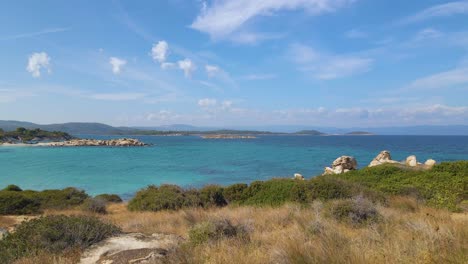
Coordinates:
[192,162]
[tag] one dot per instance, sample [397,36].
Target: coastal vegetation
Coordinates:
[24,135]
[383,214]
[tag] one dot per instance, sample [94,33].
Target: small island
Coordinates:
[38,137]
[359,133]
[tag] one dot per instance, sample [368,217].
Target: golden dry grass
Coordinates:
[407,233]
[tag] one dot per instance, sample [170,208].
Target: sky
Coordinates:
[340,63]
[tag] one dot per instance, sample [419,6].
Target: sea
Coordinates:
[191,161]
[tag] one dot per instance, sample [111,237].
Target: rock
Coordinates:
[411,161]
[3,232]
[124,142]
[430,162]
[130,248]
[382,158]
[298,176]
[342,164]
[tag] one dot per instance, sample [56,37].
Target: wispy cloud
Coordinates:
[117,96]
[328,66]
[443,80]
[257,77]
[35,34]
[223,18]
[442,10]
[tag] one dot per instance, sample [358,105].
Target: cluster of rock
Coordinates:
[411,161]
[131,248]
[341,165]
[344,164]
[123,142]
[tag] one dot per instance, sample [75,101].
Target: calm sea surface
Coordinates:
[192,162]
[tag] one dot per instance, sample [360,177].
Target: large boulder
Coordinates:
[3,232]
[430,162]
[298,176]
[130,248]
[382,158]
[341,165]
[411,161]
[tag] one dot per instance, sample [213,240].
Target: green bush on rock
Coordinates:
[54,234]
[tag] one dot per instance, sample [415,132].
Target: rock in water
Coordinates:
[341,165]
[298,176]
[130,248]
[411,161]
[383,157]
[430,162]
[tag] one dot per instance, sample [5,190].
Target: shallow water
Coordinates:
[192,161]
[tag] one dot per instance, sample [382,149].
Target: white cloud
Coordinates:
[168,65]
[187,66]
[163,116]
[328,66]
[442,10]
[207,102]
[11,95]
[117,96]
[160,51]
[212,70]
[225,17]
[255,77]
[117,64]
[427,34]
[447,79]
[37,61]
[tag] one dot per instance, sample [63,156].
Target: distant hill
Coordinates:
[359,133]
[71,128]
[310,133]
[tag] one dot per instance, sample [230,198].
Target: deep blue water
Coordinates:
[192,161]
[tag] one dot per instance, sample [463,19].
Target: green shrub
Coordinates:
[443,186]
[209,231]
[95,205]
[153,198]
[357,211]
[54,234]
[274,192]
[109,198]
[235,193]
[59,199]
[16,203]
[212,195]
[13,188]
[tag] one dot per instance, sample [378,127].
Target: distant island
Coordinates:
[310,133]
[224,136]
[38,137]
[359,133]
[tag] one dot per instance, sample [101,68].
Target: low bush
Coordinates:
[209,231]
[153,198]
[357,211]
[13,188]
[212,195]
[54,234]
[15,203]
[94,205]
[235,193]
[109,198]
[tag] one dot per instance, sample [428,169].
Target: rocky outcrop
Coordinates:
[383,157]
[131,248]
[342,164]
[430,162]
[123,142]
[298,176]
[3,232]
[411,161]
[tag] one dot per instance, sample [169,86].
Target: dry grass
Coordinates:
[407,233]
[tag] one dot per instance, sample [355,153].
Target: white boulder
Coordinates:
[342,164]
[411,161]
[298,176]
[430,162]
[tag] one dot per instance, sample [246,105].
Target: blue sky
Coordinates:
[335,63]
